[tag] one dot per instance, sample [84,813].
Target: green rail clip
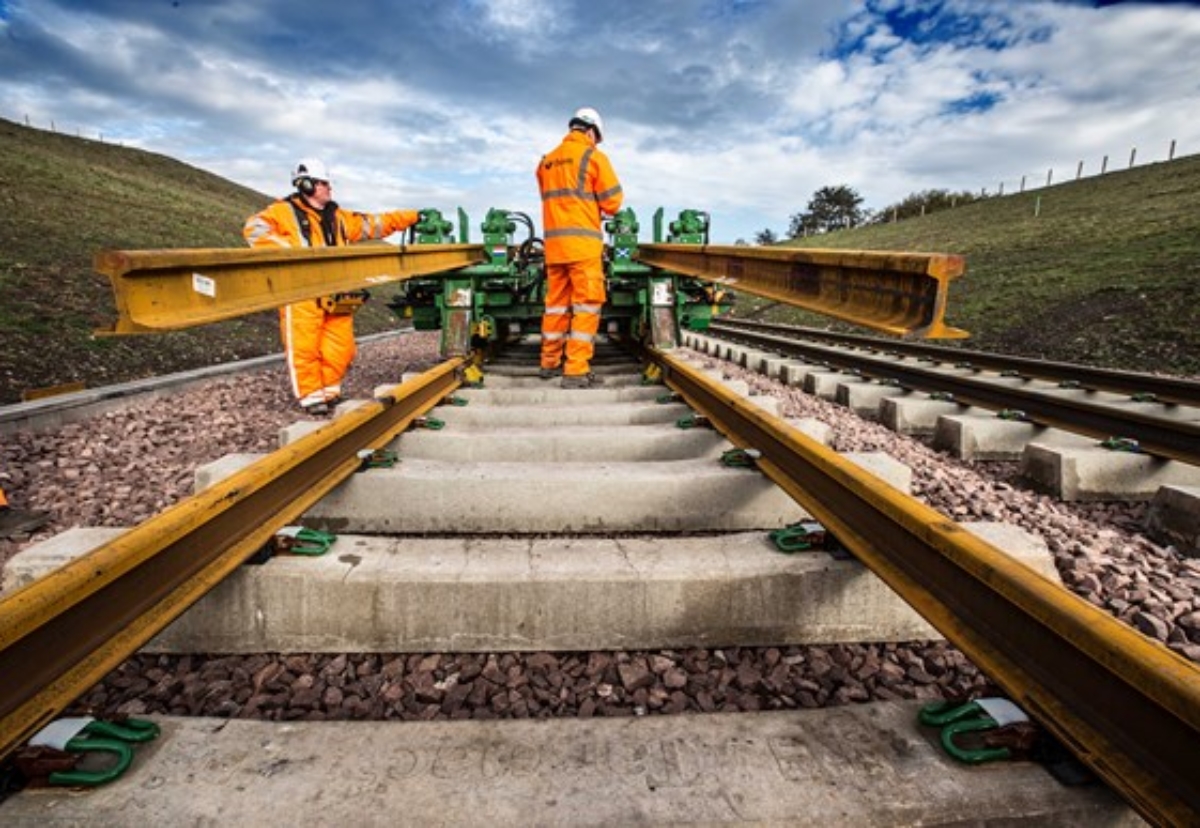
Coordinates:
[377,459]
[799,537]
[1012,733]
[1127,444]
[300,540]
[55,755]
[741,458]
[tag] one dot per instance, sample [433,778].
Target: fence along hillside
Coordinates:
[1103,270]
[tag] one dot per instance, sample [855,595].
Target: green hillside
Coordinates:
[65,198]
[1106,274]
[1105,270]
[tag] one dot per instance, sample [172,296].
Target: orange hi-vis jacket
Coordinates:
[279,225]
[578,186]
[319,344]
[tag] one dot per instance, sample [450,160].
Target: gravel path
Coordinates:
[124,466]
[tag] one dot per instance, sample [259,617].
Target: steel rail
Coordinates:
[903,294]
[1164,389]
[63,633]
[161,290]
[1126,706]
[1175,439]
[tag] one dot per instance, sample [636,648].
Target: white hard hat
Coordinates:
[310,168]
[590,118]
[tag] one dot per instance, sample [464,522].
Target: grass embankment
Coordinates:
[1105,270]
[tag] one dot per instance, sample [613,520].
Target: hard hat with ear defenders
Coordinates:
[307,173]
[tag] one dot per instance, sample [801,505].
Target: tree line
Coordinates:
[841,207]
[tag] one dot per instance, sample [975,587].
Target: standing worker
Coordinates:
[318,334]
[578,188]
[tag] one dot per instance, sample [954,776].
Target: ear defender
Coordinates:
[305,185]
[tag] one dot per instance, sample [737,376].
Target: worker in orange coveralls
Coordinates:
[318,334]
[578,188]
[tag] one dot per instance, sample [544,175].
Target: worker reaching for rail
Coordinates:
[578,188]
[318,334]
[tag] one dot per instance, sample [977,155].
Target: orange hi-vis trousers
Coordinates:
[574,298]
[319,346]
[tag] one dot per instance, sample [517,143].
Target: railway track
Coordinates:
[1006,628]
[1159,415]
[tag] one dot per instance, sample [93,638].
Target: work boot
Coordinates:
[320,409]
[20,521]
[588,380]
[547,373]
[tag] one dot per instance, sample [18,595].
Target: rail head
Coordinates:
[897,293]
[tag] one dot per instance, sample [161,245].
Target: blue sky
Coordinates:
[742,108]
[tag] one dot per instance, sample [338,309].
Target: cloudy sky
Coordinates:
[742,108]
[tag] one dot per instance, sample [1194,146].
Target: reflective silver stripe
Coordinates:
[581,177]
[574,231]
[261,231]
[551,195]
[553,336]
[586,308]
[555,310]
[581,183]
[582,337]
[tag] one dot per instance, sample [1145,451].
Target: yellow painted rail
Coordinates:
[1122,703]
[903,294]
[63,633]
[162,290]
